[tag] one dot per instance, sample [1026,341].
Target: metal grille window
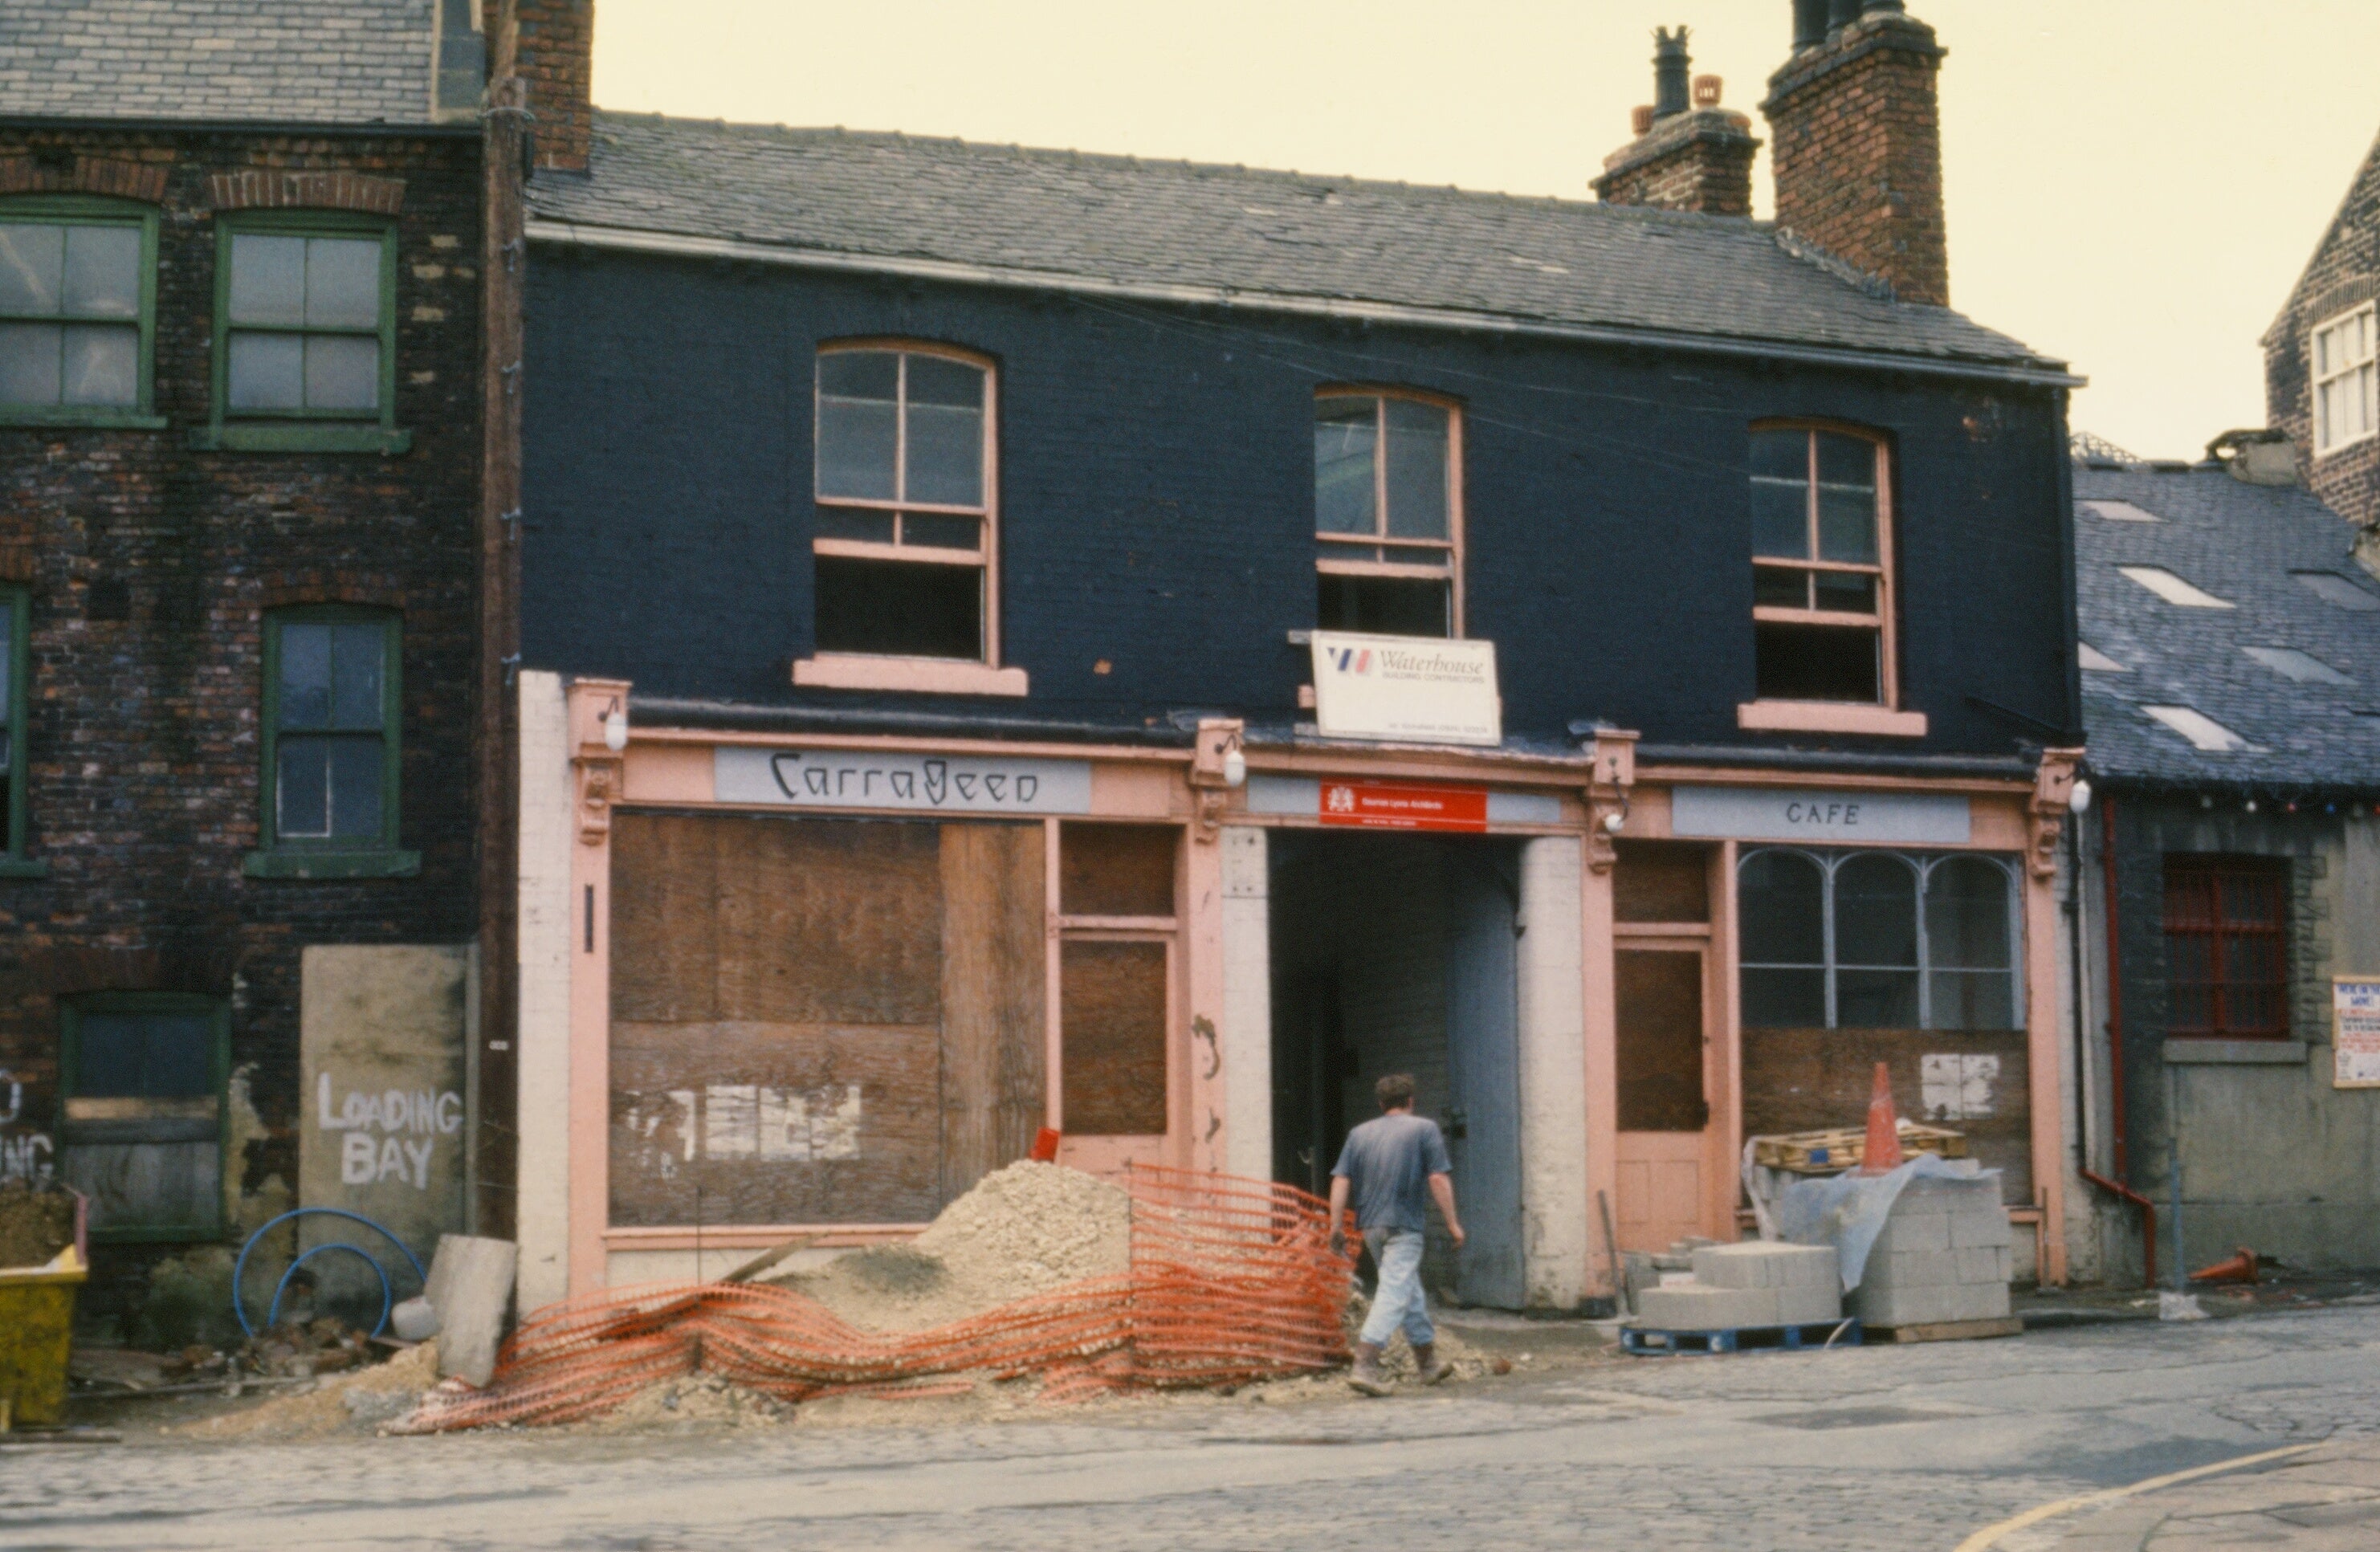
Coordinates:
[76,310]
[1877,940]
[13,643]
[2346,381]
[1821,566]
[1388,513]
[2227,948]
[331,729]
[904,546]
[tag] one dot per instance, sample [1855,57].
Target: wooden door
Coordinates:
[1664,1144]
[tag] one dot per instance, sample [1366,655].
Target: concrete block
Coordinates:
[1797,1306]
[1706,1309]
[1983,1264]
[1767,1264]
[1913,1268]
[1930,1305]
[470,1288]
[1949,1196]
[1912,1231]
[1972,1231]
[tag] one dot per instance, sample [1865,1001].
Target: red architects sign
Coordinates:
[1391,806]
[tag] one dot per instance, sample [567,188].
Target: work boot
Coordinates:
[1428,1367]
[1365,1375]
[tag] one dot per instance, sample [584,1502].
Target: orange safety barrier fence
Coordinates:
[1230,1280]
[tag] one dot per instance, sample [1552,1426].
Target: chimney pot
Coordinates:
[1708,89]
[1669,67]
[1640,118]
[1809,24]
[1842,13]
[1894,7]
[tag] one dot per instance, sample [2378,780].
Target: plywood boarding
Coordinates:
[993,1040]
[1117,870]
[1112,1017]
[1805,1080]
[819,1021]
[1660,1040]
[1662,882]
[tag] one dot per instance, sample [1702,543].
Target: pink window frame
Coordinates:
[1451,547]
[985,557]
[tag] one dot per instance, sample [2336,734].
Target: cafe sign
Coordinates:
[1837,817]
[1406,689]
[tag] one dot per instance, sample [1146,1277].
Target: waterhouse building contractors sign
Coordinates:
[1407,688]
[1845,818]
[929,783]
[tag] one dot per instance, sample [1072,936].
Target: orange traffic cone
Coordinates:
[1045,1146]
[1882,1154]
[2240,1269]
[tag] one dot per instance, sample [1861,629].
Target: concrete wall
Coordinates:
[2272,1157]
[543,1027]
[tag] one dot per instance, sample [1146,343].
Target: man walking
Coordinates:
[1387,1164]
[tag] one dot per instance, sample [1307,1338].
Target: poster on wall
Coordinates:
[2355,1031]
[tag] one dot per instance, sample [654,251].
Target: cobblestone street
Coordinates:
[1903,1448]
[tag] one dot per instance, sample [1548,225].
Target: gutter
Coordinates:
[570,234]
[1999,768]
[464,126]
[669,711]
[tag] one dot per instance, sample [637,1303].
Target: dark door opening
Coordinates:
[1397,953]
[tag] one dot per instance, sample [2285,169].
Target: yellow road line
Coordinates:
[1989,1537]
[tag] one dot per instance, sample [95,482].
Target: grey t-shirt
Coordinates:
[1388,1162]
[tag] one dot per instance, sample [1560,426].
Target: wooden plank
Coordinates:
[1815,1080]
[775,1124]
[1117,870]
[1662,882]
[1949,1330]
[1660,1040]
[829,921]
[1113,1005]
[994,925]
[664,916]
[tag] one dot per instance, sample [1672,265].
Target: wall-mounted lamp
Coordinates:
[1615,821]
[615,728]
[1235,767]
[2078,800]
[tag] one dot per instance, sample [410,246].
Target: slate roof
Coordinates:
[1055,215]
[2240,542]
[279,61]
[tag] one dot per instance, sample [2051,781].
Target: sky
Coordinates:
[2133,185]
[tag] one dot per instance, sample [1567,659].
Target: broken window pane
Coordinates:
[144,1056]
[1817,662]
[903,607]
[1416,469]
[1383,605]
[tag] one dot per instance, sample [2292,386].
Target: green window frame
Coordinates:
[291,848]
[300,427]
[86,211]
[16,642]
[95,1130]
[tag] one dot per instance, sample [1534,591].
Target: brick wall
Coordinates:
[1699,161]
[149,566]
[2344,273]
[555,55]
[1856,145]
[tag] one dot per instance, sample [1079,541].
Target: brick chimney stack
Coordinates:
[1689,154]
[554,53]
[1856,127]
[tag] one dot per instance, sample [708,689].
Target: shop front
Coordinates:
[781,983]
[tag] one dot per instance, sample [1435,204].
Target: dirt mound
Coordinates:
[34,1225]
[700,1401]
[1020,1230]
[353,1403]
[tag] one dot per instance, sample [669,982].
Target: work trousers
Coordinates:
[1400,1300]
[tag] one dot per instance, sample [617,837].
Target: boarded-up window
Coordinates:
[1113,1014]
[1662,882]
[1117,870]
[820,1021]
[143,1123]
[1660,1040]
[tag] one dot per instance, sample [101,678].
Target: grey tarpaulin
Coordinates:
[1846,1211]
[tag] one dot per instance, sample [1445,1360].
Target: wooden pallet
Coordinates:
[1827,1153]
[1949,1330]
[1808,1337]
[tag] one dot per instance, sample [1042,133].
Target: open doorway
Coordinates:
[1396,953]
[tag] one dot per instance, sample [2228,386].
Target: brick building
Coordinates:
[2322,384]
[240,390]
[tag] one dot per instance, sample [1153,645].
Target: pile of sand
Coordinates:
[702,1400]
[1022,1230]
[353,1404]
[34,1225]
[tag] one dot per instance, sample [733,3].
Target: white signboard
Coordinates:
[2355,1031]
[839,779]
[1407,688]
[1852,818]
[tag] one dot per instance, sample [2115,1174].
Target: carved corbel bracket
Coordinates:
[1210,784]
[600,771]
[2053,799]
[1613,778]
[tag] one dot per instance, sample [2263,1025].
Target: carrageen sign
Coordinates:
[932,783]
[1407,688]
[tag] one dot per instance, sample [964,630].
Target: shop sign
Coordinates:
[1407,688]
[1391,805]
[1846,818]
[840,779]
[2355,1031]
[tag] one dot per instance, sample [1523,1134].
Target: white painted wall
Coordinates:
[1553,1074]
[543,1225]
[1247,1038]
